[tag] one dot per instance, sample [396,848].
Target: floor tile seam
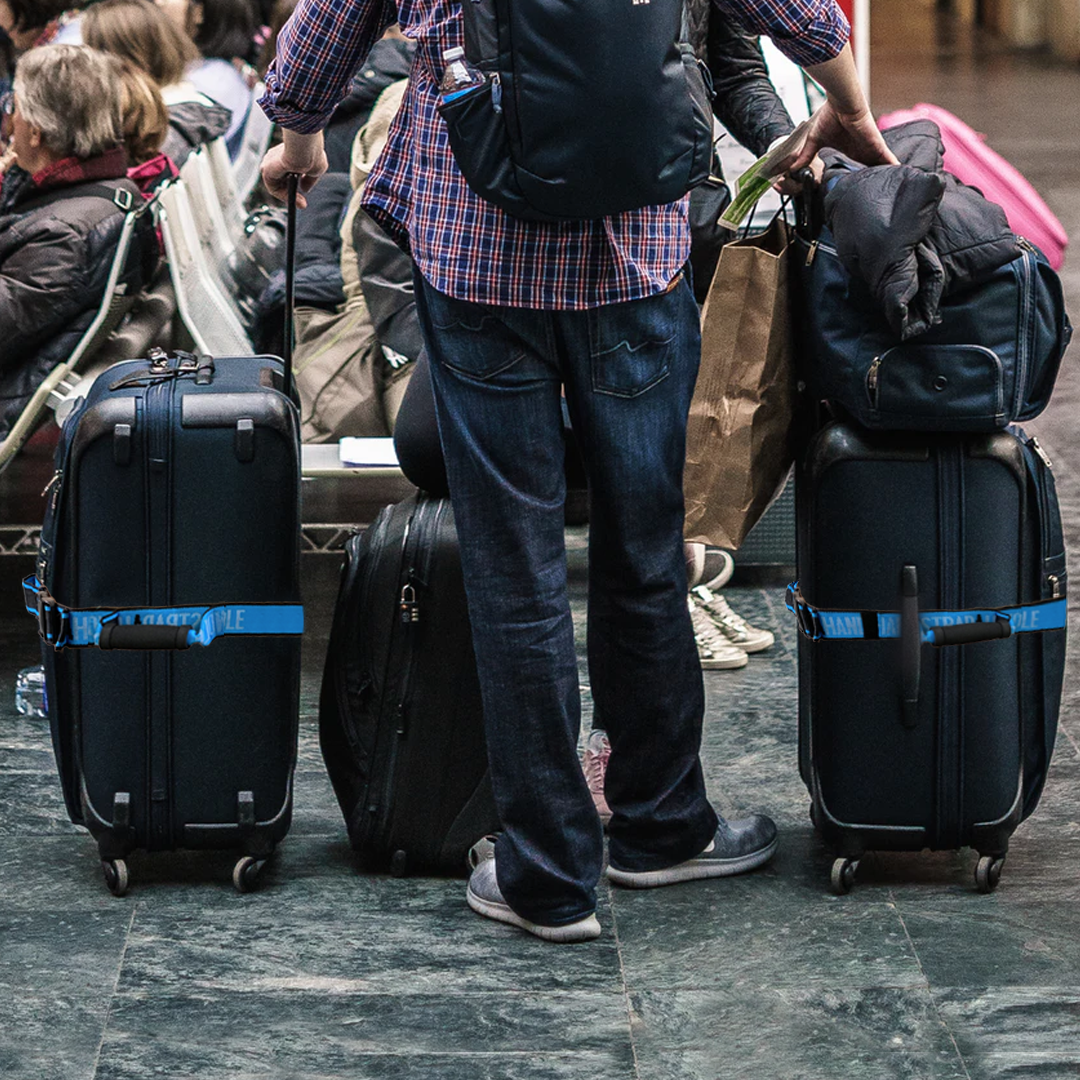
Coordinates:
[115,991]
[782,987]
[930,994]
[201,990]
[625,984]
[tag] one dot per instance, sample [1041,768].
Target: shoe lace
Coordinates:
[705,631]
[596,762]
[721,609]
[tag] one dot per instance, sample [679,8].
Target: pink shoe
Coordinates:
[597,752]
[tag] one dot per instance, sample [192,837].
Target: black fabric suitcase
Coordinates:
[176,491]
[905,541]
[400,717]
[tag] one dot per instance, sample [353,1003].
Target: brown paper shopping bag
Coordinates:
[739,438]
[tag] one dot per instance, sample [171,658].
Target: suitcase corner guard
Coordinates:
[154,627]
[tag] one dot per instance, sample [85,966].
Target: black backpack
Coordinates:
[591,107]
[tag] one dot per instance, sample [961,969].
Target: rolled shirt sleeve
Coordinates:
[318,52]
[806,31]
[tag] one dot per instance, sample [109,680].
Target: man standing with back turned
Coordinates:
[512,311]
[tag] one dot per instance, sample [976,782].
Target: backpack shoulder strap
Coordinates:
[121,197]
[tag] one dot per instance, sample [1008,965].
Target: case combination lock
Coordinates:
[410,609]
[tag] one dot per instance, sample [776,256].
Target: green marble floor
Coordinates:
[326,974]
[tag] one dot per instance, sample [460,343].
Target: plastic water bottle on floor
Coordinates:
[30,696]
[460,77]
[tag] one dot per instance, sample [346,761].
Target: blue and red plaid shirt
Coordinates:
[467,247]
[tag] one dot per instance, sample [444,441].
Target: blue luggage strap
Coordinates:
[156,627]
[819,624]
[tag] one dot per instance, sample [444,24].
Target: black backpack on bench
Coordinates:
[590,108]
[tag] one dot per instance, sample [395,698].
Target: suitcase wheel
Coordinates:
[116,876]
[988,873]
[245,875]
[843,875]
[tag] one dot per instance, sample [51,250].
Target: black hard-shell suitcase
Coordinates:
[912,737]
[400,717]
[168,573]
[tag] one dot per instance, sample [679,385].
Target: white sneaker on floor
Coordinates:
[734,627]
[714,650]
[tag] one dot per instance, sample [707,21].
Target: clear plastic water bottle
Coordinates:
[31,698]
[460,77]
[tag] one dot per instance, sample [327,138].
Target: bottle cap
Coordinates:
[453,54]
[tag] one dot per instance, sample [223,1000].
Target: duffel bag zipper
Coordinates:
[1027,323]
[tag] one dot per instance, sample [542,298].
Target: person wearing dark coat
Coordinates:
[58,224]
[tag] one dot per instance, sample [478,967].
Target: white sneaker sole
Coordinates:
[587,929]
[693,870]
[713,664]
[755,645]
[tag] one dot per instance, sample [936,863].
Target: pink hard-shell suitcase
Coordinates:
[969,159]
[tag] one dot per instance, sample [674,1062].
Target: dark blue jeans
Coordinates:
[629,372]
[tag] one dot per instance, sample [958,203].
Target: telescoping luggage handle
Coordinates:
[154,628]
[290,280]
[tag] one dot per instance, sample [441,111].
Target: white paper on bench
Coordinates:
[354,452]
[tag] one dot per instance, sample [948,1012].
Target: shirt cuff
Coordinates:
[822,39]
[285,114]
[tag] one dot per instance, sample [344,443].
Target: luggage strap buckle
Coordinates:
[807,617]
[48,611]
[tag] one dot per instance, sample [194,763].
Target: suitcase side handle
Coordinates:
[910,645]
[143,636]
[966,633]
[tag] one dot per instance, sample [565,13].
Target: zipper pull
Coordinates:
[159,360]
[496,92]
[1027,245]
[400,713]
[872,379]
[1034,444]
[1055,586]
[410,609]
[812,252]
[52,483]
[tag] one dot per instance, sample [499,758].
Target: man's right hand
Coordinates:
[853,134]
[303,155]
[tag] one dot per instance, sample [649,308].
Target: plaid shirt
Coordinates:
[464,246]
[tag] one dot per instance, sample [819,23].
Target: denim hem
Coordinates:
[691,849]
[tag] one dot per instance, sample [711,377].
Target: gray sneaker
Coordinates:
[738,846]
[715,652]
[734,627]
[484,897]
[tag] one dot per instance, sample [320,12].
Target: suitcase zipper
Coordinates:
[410,614]
[158,400]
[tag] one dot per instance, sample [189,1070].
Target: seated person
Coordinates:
[58,222]
[144,123]
[140,32]
[223,33]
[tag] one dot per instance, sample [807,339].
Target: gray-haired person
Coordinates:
[58,230]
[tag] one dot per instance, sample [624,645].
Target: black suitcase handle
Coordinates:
[910,645]
[290,280]
[142,636]
[966,633]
